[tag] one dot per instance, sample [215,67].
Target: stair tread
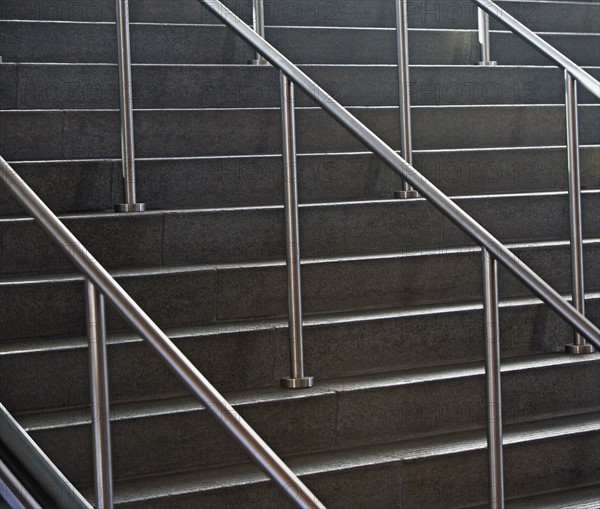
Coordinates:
[585,497]
[287,27]
[311,205]
[311,154]
[323,462]
[95,215]
[34,421]
[199,267]
[65,277]
[307,108]
[27,346]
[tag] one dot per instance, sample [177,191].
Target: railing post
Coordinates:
[579,345]
[493,383]
[484,37]
[96,327]
[126,97]
[404,93]
[258,20]
[297,380]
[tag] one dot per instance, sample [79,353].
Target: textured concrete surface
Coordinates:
[539,16]
[47,306]
[66,186]
[84,134]
[232,234]
[340,346]
[394,340]
[84,86]
[250,181]
[203,44]
[336,414]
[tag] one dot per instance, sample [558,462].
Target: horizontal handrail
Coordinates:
[427,189]
[145,326]
[583,78]
[38,465]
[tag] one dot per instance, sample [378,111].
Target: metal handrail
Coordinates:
[38,465]
[492,250]
[428,190]
[574,74]
[531,38]
[145,326]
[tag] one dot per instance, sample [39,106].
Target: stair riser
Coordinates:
[216,295]
[183,44]
[421,14]
[234,235]
[96,87]
[97,185]
[321,422]
[245,359]
[181,133]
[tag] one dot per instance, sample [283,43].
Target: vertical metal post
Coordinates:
[258,20]
[484,37]
[125,92]
[579,346]
[96,326]
[404,93]
[493,384]
[297,379]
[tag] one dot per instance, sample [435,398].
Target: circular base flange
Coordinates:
[579,349]
[491,62]
[298,383]
[406,195]
[130,207]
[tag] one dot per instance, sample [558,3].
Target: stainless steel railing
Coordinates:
[389,156]
[493,251]
[100,284]
[126,99]
[258,22]
[46,475]
[573,75]
[483,21]
[404,94]
[297,378]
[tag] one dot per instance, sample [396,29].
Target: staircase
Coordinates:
[391,289]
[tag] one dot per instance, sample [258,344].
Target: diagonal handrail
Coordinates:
[145,326]
[573,76]
[531,38]
[35,461]
[427,189]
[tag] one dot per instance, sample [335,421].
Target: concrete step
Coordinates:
[334,415]
[62,42]
[89,134]
[52,305]
[86,185]
[538,15]
[84,86]
[455,474]
[578,498]
[258,234]
[244,355]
